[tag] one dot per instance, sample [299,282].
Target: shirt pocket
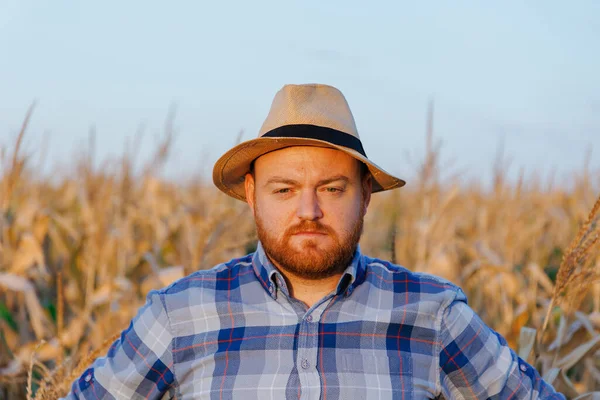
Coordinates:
[365,363]
[376,362]
[369,375]
[369,363]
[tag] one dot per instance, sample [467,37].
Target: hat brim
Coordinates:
[230,170]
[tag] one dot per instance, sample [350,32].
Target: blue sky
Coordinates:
[526,73]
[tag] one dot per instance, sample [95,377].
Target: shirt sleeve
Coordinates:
[138,365]
[476,363]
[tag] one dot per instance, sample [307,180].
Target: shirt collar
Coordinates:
[271,279]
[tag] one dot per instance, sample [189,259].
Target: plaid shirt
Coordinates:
[384,333]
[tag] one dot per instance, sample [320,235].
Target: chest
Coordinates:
[281,352]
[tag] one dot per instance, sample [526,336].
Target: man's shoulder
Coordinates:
[224,276]
[400,279]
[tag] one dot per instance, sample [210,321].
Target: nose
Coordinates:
[309,208]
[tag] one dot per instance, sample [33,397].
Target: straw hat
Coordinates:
[301,115]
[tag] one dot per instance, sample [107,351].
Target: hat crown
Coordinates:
[310,104]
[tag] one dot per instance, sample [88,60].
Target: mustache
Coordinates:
[309,226]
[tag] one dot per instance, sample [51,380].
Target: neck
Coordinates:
[310,291]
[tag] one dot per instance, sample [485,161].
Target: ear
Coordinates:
[249,188]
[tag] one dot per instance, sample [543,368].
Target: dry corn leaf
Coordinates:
[589,396]
[44,351]
[588,321]
[565,386]
[164,277]
[14,367]
[102,295]
[65,224]
[28,254]
[538,275]
[579,353]
[11,337]
[170,274]
[40,227]
[526,342]
[39,322]
[591,368]
[487,254]
[26,215]
[567,336]
[74,331]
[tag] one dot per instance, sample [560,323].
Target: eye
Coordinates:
[333,189]
[283,190]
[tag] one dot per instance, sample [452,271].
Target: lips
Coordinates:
[309,228]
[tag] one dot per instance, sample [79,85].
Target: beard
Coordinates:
[309,262]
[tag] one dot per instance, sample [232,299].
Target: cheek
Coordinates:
[273,216]
[345,216]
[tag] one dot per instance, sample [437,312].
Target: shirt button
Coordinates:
[523,368]
[88,378]
[271,289]
[305,364]
[309,318]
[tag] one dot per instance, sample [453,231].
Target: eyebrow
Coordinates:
[333,179]
[287,181]
[278,179]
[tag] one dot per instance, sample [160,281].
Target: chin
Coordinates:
[310,245]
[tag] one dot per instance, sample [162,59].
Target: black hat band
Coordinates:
[307,131]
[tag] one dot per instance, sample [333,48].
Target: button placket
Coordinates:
[307,356]
[308,349]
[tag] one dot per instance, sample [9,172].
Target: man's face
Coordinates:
[309,204]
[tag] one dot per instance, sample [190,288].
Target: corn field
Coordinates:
[78,256]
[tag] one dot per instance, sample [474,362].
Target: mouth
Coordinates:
[309,233]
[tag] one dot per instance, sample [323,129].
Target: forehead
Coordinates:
[303,159]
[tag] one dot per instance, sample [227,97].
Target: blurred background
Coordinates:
[113,113]
[523,75]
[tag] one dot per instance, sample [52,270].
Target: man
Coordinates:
[307,316]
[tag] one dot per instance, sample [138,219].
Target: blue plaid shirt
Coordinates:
[384,333]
